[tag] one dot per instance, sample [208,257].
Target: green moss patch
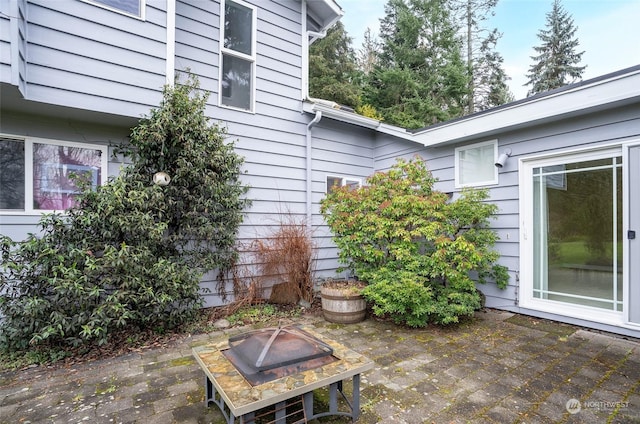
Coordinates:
[559,329]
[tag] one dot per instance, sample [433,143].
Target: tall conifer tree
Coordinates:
[420,78]
[557,61]
[368,54]
[332,68]
[487,78]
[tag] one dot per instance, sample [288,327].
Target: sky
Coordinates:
[608,32]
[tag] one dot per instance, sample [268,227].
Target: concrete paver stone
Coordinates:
[497,368]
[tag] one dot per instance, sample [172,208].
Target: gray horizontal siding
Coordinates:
[584,132]
[5,43]
[271,140]
[124,59]
[197,46]
[83,56]
[341,150]
[13,43]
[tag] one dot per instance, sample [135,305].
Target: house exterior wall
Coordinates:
[13,43]
[76,54]
[272,138]
[87,65]
[85,74]
[339,150]
[613,126]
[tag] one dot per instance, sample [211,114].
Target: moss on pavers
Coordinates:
[540,324]
[136,414]
[198,414]
[495,364]
[151,396]
[501,414]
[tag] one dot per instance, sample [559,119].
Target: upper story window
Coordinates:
[130,7]
[40,175]
[238,55]
[475,164]
[333,182]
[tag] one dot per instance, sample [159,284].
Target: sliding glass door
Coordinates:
[573,226]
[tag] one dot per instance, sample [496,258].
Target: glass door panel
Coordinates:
[578,233]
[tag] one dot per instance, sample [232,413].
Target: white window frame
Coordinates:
[229,52]
[28,167]
[343,181]
[141,16]
[525,297]
[458,168]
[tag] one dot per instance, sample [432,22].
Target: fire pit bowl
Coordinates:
[271,353]
[297,360]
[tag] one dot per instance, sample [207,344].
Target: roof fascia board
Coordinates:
[580,99]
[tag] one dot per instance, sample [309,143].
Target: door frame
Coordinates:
[631,270]
[525,290]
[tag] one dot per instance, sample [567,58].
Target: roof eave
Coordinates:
[325,12]
[583,98]
[331,110]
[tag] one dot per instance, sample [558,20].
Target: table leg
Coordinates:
[208,390]
[333,398]
[355,407]
[211,395]
[308,405]
[281,413]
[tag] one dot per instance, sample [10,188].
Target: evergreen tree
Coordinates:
[557,59]
[491,87]
[131,254]
[420,78]
[368,54]
[332,68]
[487,78]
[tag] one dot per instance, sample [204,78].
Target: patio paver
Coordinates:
[499,368]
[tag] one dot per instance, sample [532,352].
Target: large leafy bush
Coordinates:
[417,249]
[131,253]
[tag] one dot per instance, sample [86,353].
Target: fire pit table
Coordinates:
[276,370]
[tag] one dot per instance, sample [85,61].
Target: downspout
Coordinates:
[312,124]
[305,96]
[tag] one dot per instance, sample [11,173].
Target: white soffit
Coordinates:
[324,12]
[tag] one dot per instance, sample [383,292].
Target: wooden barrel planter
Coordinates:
[342,302]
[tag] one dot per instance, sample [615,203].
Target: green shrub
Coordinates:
[130,253]
[416,248]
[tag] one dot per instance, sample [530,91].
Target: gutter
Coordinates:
[334,111]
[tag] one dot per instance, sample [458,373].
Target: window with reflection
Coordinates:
[44,176]
[12,177]
[238,55]
[577,237]
[333,182]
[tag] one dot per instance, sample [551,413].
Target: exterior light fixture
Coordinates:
[502,159]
